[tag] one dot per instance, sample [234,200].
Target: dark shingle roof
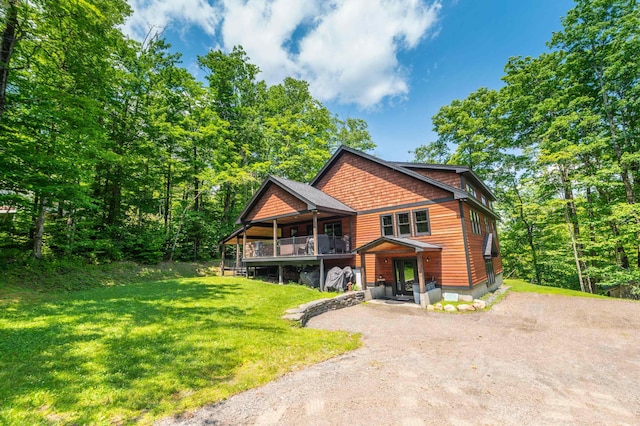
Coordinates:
[456,192]
[406,242]
[313,197]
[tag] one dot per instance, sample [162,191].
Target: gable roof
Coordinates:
[418,246]
[312,197]
[457,169]
[456,192]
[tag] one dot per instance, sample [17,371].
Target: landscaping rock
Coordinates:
[431,308]
[479,304]
[438,306]
[464,307]
[294,316]
[309,310]
[450,308]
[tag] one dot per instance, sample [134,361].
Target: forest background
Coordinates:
[111,150]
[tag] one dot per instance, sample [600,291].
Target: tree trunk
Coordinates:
[167,199]
[571,216]
[530,239]
[9,36]
[39,230]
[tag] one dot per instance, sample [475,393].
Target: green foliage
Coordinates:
[140,352]
[110,150]
[559,142]
[520,286]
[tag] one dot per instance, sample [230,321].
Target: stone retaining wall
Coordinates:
[309,310]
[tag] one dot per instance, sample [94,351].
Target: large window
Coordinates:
[403,224]
[333,229]
[421,222]
[475,222]
[386,225]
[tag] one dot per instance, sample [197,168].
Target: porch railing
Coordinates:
[297,246]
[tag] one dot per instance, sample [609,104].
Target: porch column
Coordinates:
[244,241]
[237,253]
[315,234]
[321,274]
[423,293]
[222,261]
[275,237]
[363,271]
[280,275]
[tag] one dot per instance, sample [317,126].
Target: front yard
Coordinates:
[143,351]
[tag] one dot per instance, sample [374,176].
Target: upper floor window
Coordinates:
[475,222]
[386,224]
[421,222]
[484,200]
[487,225]
[333,229]
[472,191]
[403,224]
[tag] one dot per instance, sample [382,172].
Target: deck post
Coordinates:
[315,234]
[321,274]
[222,261]
[363,271]
[423,293]
[237,253]
[280,275]
[275,237]
[244,242]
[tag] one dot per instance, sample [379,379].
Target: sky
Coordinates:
[393,63]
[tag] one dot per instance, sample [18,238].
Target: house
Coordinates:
[396,224]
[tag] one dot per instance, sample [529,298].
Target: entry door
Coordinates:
[406,273]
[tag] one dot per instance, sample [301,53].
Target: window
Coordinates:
[491,276]
[294,231]
[472,191]
[386,224]
[484,200]
[475,222]
[487,225]
[421,222]
[333,229]
[403,223]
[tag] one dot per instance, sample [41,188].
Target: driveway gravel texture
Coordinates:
[531,359]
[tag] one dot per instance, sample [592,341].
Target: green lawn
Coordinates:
[524,287]
[139,352]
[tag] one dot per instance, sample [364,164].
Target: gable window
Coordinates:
[403,224]
[333,229]
[475,222]
[386,225]
[421,222]
[472,191]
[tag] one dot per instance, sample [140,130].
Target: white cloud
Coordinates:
[346,49]
[158,14]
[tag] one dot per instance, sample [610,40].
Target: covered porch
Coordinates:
[401,268]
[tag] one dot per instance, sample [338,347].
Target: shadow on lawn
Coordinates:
[120,346]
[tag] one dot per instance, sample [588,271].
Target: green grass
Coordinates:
[136,353]
[521,286]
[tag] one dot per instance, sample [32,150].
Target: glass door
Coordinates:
[406,274]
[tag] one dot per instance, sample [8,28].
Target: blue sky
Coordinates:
[393,63]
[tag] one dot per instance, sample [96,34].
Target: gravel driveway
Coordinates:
[532,359]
